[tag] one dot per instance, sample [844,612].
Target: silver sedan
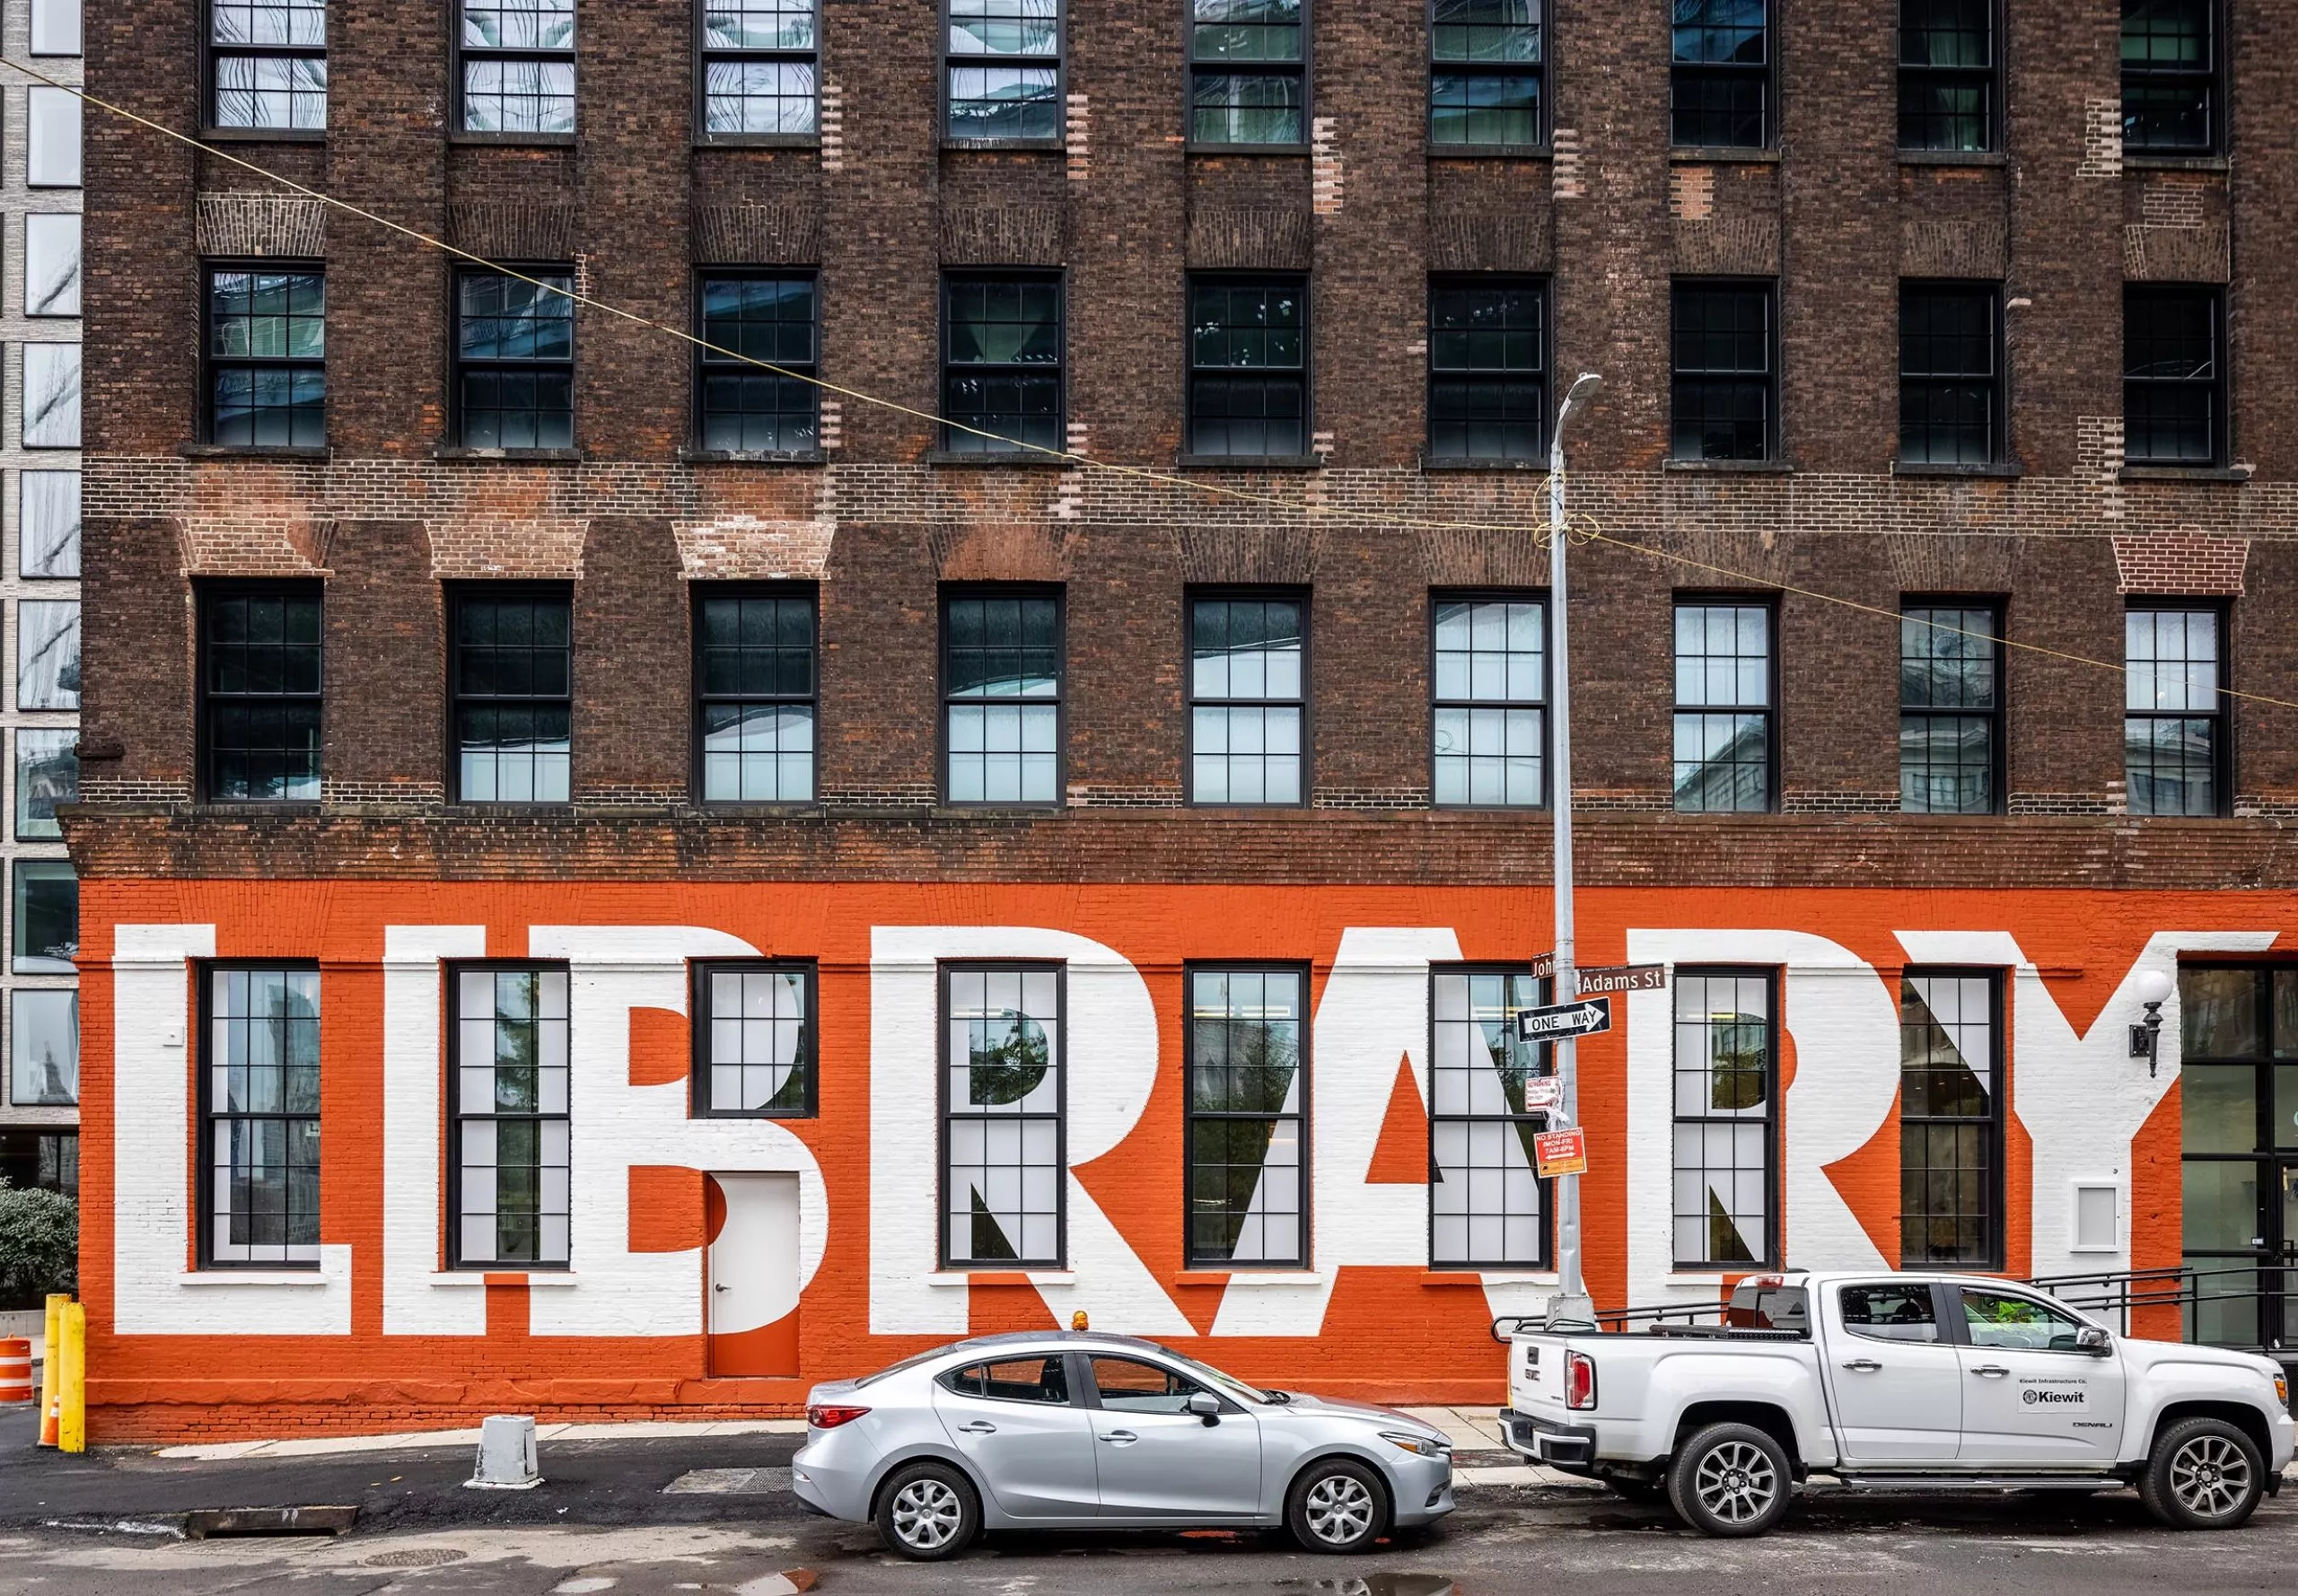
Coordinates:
[1072,1430]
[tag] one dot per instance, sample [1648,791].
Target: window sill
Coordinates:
[1462,462]
[1921,468]
[1489,1277]
[1491,153]
[455,451]
[556,808]
[1248,462]
[1720,155]
[1760,468]
[1026,460]
[753,457]
[255,451]
[1051,146]
[1297,150]
[542,141]
[481,1275]
[2143,161]
[2185,473]
[953,1278]
[1953,158]
[265,1275]
[219,807]
[735,809]
[757,141]
[263,136]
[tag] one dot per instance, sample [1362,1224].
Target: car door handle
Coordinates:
[1120,1438]
[980,1426]
[1863,1365]
[1990,1371]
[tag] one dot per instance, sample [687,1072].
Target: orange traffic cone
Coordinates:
[51,1419]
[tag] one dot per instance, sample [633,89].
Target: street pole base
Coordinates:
[1574,1311]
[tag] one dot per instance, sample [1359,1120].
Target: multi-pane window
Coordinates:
[1720,86]
[1487,370]
[514,360]
[2174,721]
[1247,82]
[758,67]
[268,64]
[52,263]
[1485,1202]
[1003,1166]
[48,508]
[1951,709]
[1725,685]
[260,686]
[510,1158]
[514,673]
[1248,691]
[1724,1091]
[47,654]
[1000,363]
[1005,70]
[1247,1114]
[2237,1091]
[518,66]
[1951,373]
[1950,1106]
[267,357]
[2169,76]
[1484,60]
[756,687]
[44,1048]
[1490,734]
[48,773]
[259,1104]
[46,917]
[1947,74]
[1000,696]
[757,316]
[1248,366]
[1724,387]
[757,1028]
[2173,376]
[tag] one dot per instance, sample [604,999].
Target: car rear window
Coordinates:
[1767,1305]
[1035,1379]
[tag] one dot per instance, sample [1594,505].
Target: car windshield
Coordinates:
[1228,1385]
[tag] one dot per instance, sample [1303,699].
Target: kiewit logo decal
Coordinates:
[2035,1398]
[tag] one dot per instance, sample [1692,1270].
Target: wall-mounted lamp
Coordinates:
[2153,989]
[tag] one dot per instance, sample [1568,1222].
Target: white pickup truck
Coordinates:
[1896,1382]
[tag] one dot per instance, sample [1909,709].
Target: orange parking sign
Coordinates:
[1561,1152]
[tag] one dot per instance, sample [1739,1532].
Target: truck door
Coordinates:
[1892,1368]
[2030,1397]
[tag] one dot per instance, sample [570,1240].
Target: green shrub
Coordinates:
[39,1245]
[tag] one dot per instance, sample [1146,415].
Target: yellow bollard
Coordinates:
[49,1364]
[72,1422]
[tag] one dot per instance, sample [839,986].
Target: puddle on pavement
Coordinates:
[1381,1582]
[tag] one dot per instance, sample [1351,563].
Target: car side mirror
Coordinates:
[2093,1340]
[1205,1406]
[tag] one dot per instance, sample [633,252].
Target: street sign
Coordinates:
[1543,966]
[1561,1152]
[1587,1017]
[1542,1093]
[1623,978]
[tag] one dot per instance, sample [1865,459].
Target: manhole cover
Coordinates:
[414,1557]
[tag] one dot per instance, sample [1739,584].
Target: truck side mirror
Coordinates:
[1205,1406]
[2093,1340]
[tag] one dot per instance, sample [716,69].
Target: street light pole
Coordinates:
[1571,1308]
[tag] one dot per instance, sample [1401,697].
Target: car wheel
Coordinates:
[1338,1505]
[2204,1474]
[928,1511]
[1729,1480]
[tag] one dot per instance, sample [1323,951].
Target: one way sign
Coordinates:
[1584,1018]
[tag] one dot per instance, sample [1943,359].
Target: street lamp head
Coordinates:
[2152,987]
[1583,389]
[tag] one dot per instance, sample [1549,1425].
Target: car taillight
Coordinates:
[822,1416]
[1579,1381]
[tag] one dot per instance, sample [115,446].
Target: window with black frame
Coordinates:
[1951,709]
[1724,1090]
[1487,1206]
[259,1112]
[513,695]
[1487,369]
[1951,373]
[46,917]
[756,693]
[1000,696]
[1248,1104]
[1249,367]
[1947,76]
[514,359]
[1489,703]
[1724,393]
[517,67]
[1486,60]
[2173,374]
[2237,1086]
[262,680]
[1248,699]
[1003,71]
[1001,371]
[509,1158]
[1248,72]
[758,316]
[1720,85]
[755,1023]
[2174,719]
[2170,77]
[1950,1119]
[758,62]
[1725,691]
[1003,1162]
[266,63]
[267,357]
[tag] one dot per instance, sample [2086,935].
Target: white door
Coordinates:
[2030,1397]
[1898,1384]
[753,1227]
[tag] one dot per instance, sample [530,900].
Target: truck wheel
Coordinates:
[1729,1480]
[928,1511]
[1337,1505]
[2204,1474]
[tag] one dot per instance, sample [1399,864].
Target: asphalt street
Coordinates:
[608,1523]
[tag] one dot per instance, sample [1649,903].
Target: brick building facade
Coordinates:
[1241,246]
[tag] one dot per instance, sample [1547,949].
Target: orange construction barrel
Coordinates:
[15,1369]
